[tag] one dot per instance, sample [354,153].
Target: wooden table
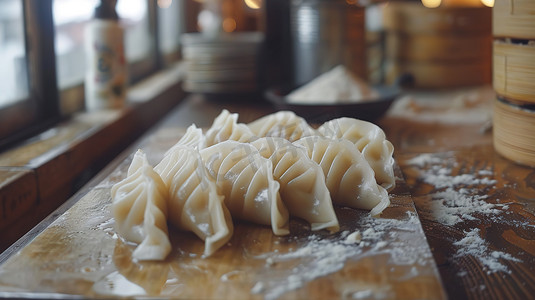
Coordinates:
[445,144]
[459,145]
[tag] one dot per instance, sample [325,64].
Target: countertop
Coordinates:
[477,209]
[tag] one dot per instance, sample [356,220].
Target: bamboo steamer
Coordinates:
[441,47]
[445,47]
[514,18]
[514,134]
[415,18]
[441,75]
[514,71]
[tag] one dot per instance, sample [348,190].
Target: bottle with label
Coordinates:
[106,76]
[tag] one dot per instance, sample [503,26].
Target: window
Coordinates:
[170,28]
[134,16]
[13,73]
[27,75]
[39,83]
[137,17]
[70,18]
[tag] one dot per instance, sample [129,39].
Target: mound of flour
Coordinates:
[339,85]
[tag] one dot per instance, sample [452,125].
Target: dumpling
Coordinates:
[194,203]
[302,183]
[370,139]
[245,178]
[226,127]
[193,138]
[348,175]
[139,206]
[283,124]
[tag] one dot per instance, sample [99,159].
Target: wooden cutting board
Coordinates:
[79,255]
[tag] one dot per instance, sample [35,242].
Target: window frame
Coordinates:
[48,103]
[168,58]
[39,110]
[149,65]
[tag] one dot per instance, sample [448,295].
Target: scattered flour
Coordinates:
[454,201]
[452,206]
[269,261]
[323,255]
[462,106]
[258,288]
[354,238]
[362,294]
[228,276]
[485,172]
[472,244]
[424,159]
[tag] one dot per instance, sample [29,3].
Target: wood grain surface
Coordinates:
[62,159]
[79,254]
[450,129]
[463,148]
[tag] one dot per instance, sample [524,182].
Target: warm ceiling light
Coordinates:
[254,4]
[229,25]
[164,3]
[489,3]
[431,3]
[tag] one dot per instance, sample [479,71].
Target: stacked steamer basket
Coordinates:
[441,47]
[514,80]
[225,64]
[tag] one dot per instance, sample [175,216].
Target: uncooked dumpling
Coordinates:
[283,124]
[139,206]
[245,178]
[303,188]
[370,139]
[226,127]
[193,138]
[348,175]
[194,203]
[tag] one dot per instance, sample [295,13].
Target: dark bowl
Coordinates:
[367,109]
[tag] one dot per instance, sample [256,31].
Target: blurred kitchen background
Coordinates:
[442,43]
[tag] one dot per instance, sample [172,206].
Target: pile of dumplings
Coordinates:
[264,172]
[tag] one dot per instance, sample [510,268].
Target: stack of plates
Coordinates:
[222,64]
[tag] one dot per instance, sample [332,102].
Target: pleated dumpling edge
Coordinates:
[139,206]
[194,202]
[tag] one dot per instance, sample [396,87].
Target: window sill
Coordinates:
[44,171]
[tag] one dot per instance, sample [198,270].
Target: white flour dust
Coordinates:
[455,200]
[452,206]
[472,244]
[323,255]
[462,106]
[424,159]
